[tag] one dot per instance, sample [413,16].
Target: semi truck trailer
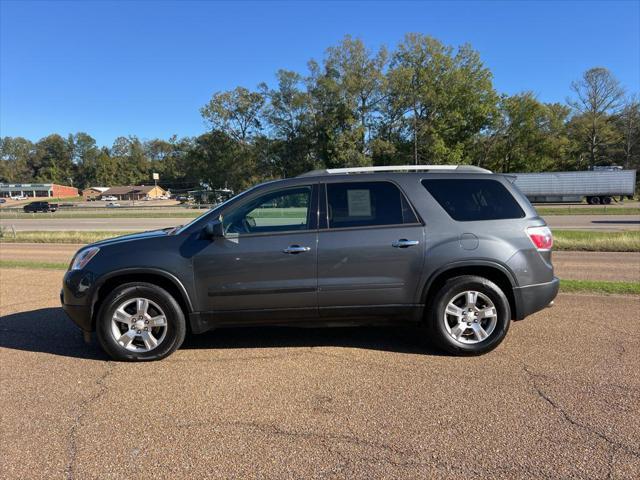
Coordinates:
[597,187]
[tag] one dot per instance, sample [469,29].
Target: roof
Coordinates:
[397,168]
[130,189]
[98,189]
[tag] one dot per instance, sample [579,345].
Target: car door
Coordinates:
[265,266]
[371,254]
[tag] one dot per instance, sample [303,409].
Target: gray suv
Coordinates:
[456,249]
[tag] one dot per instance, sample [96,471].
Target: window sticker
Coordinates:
[359,203]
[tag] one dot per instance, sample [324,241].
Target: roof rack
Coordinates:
[396,168]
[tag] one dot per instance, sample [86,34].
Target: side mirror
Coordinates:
[214,229]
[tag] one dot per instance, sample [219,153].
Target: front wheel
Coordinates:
[469,315]
[140,322]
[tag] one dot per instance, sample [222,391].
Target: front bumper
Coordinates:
[533,298]
[75,297]
[80,314]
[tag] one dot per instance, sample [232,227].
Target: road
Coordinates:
[558,399]
[612,266]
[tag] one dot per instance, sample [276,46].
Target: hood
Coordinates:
[133,237]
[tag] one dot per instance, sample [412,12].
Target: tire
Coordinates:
[148,331]
[595,200]
[451,332]
[605,200]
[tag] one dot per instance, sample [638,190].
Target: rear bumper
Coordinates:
[533,298]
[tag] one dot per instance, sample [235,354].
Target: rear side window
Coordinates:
[474,199]
[363,204]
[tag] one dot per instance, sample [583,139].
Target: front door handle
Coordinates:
[295,249]
[404,243]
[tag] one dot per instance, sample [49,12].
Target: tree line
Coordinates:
[423,102]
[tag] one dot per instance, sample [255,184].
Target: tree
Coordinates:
[526,136]
[236,113]
[217,159]
[360,79]
[84,155]
[287,113]
[15,153]
[628,124]
[598,96]
[446,97]
[52,160]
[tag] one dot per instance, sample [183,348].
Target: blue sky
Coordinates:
[145,68]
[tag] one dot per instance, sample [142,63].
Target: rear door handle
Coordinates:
[404,243]
[295,249]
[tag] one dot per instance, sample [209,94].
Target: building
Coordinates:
[36,190]
[134,192]
[92,193]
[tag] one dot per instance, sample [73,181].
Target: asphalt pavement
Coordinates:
[558,399]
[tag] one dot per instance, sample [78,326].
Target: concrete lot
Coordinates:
[612,266]
[50,223]
[558,399]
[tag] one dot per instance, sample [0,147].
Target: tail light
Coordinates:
[541,237]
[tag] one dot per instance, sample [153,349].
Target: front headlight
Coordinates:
[82,258]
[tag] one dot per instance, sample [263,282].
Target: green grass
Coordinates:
[32,264]
[58,237]
[588,241]
[599,286]
[100,213]
[588,211]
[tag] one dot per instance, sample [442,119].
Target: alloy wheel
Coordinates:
[139,325]
[470,317]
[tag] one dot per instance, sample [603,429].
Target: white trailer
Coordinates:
[598,187]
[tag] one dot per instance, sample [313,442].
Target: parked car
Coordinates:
[457,250]
[109,198]
[35,207]
[113,205]
[18,197]
[3,200]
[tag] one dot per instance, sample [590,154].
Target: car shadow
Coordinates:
[48,330]
[399,339]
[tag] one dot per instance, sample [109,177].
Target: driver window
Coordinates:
[280,211]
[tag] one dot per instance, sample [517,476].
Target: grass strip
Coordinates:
[599,286]
[594,241]
[58,237]
[32,264]
[588,211]
[99,214]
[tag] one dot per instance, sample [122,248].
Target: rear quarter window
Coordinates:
[468,200]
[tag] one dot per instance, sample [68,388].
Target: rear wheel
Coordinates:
[470,315]
[594,200]
[605,200]
[140,321]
